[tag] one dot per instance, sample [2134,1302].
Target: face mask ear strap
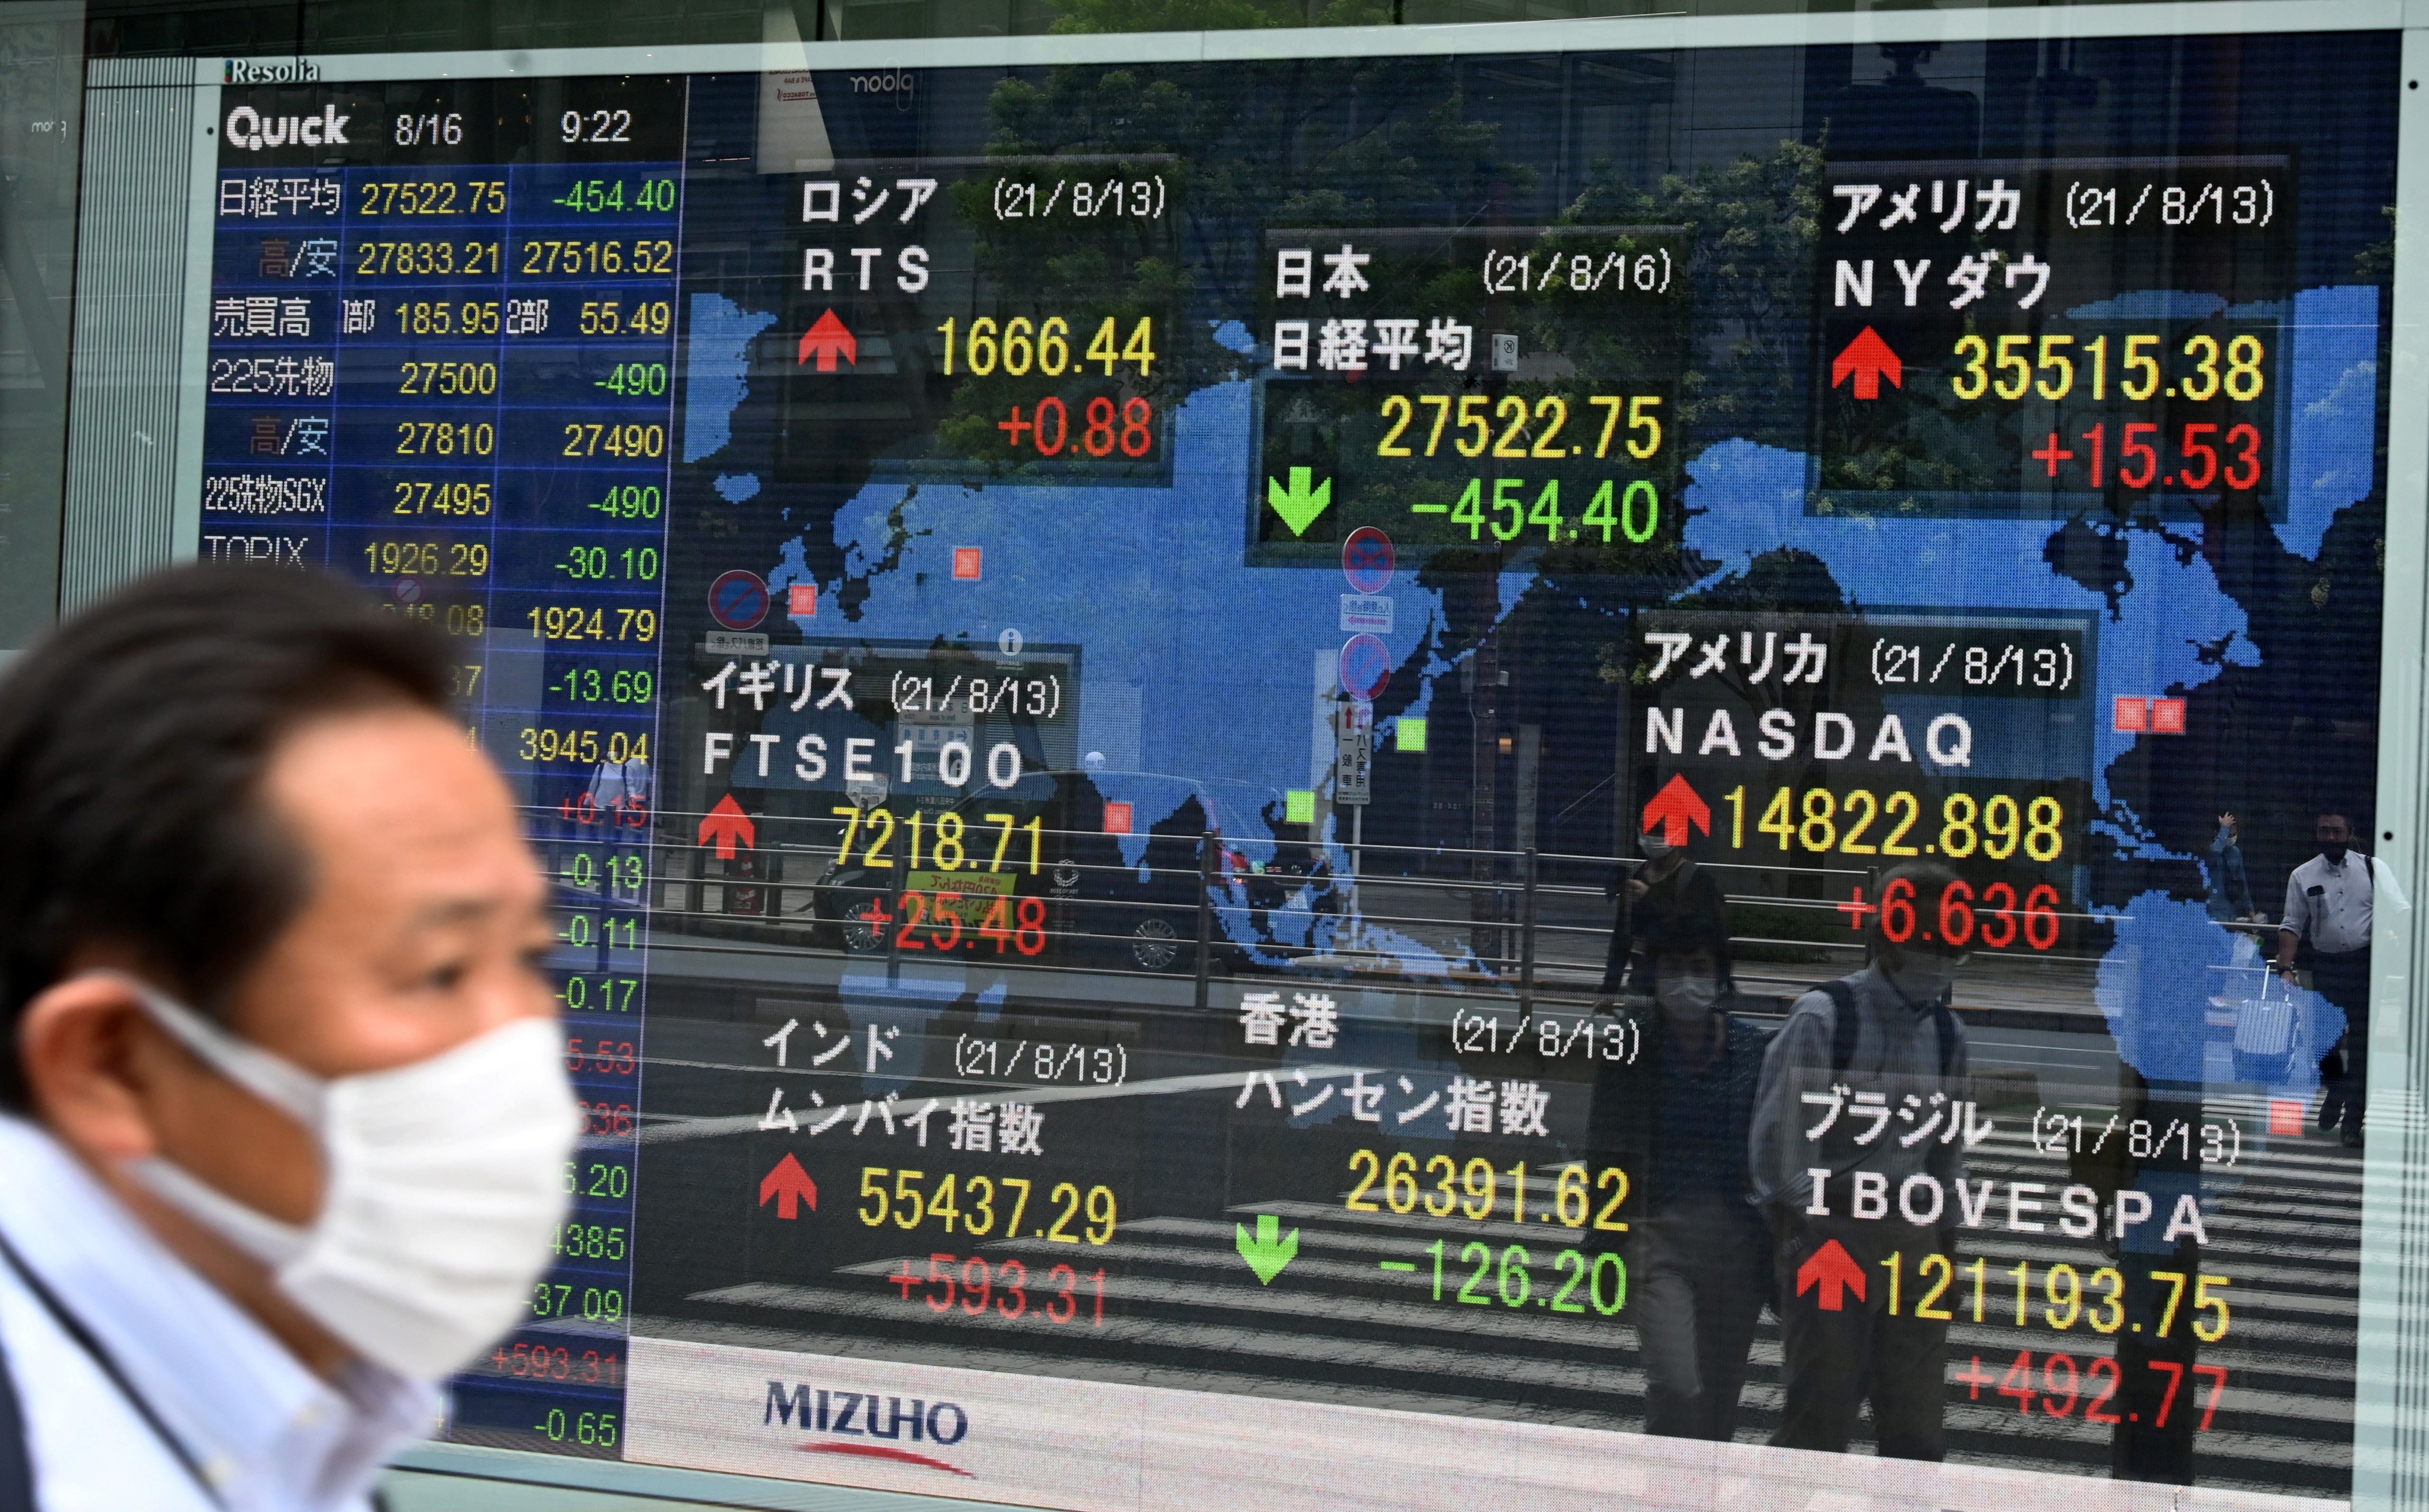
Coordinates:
[260,1235]
[277,1083]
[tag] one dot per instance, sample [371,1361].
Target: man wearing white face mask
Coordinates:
[1856,1157]
[1667,889]
[283,1109]
[1701,1256]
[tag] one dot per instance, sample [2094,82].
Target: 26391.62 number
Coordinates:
[1572,1196]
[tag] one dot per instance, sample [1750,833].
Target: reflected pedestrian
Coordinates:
[2230,890]
[1703,1255]
[1668,887]
[2325,932]
[1855,1154]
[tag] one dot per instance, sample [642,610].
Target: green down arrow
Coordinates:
[1302,501]
[1270,1250]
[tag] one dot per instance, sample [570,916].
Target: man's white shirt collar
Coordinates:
[267,1432]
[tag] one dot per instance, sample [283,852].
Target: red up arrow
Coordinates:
[831,338]
[1830,1268]
[728,826]
[1869,359]
[791,1187]
[1674,808]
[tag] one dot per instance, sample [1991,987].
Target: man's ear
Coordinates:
[90,1057]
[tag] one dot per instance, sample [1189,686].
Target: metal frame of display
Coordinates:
[2391,1397]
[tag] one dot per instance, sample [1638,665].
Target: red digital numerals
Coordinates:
[608,1120]
[602,1058]
[554,1362]
[1048,431]
[1993,921]
[972,1284]
[630,814]
[935,921]
[2060,1384]
[2200,460]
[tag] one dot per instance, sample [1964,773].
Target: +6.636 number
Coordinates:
[1960,919]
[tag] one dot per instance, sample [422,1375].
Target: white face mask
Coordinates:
[1925,978]
[445,1186]
[1656,847]
[1686,998]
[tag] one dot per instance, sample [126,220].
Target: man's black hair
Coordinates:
[1683,934]
[134,740]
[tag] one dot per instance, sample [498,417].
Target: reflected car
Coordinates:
[1075,868]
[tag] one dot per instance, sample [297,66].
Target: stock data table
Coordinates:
[444,370]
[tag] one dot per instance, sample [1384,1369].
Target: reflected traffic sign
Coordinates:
[1367,559]
[1365,668]
[738,600]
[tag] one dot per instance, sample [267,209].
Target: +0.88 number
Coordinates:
[2019,358]
[1514,414]
[1572,1197]
[909,1206]
[2003,826]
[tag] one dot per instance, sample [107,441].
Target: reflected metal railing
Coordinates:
[1517,925]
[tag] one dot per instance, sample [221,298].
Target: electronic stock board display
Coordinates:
[1093,648]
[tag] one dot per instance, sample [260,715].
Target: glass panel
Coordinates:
[1398,771]
[39,76]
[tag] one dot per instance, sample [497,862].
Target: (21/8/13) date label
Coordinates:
[2051,337]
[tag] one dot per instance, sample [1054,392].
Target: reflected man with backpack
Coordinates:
[1855,1155]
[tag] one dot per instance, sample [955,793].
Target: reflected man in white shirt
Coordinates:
[2325,931]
